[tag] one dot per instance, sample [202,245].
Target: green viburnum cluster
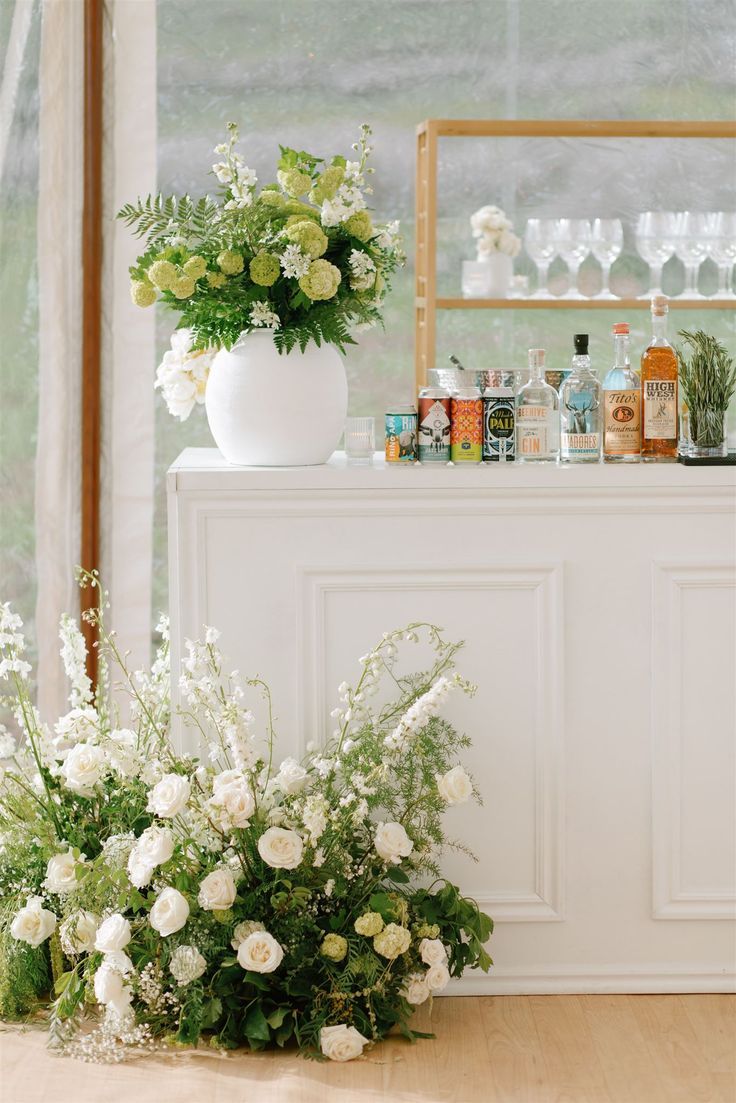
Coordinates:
[152,897]
[301,257]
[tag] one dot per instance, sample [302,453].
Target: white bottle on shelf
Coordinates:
[537,416]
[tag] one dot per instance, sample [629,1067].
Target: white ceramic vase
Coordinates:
[500,270]
[271,409]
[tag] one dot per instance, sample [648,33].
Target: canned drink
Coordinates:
[434,425]
[556,378]
[499,422]
[466,431]
[401,434]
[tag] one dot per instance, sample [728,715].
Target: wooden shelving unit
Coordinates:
[427,303]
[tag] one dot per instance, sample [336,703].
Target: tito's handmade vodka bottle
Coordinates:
[621,404]
[659,390]
[580,409]
[537,416]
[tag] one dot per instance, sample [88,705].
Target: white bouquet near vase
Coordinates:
[496,246]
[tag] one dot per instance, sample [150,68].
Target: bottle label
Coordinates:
[556,378]
[466,432]
[434,430]
[537,432]
[499,428]
[581,444]
[660,409]
[622,423]
[401,438]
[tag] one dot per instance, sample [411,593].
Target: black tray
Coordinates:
[708,461]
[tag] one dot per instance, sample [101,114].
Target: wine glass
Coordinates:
[572,238]
[722,249]
[606,243]
[655,242]
[691,246]
[539,241]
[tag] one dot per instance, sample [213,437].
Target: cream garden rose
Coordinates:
[455,787]
[78,932]
[111,989]
[169,913]
[61,873]
[259,952]
[113,934]
[292,777]
[415,988]
[392,842]
[232,799]
[154,847]
[432,952]
[438,977]
[169,796]
[341,1042]
[186,965]
[217,892]
[33,923]
[83,768]
[281,848]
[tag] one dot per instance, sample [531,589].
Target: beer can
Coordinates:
[434,425]
[555,378]
[499,424]
[466,430]
[401,434]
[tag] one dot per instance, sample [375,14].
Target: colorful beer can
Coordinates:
[434,425]
[499,424]
[401,435]
[466,431]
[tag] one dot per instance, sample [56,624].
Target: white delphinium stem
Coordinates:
[418,714]
[74,657]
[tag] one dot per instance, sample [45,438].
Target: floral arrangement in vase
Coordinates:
[708,380]
[494,233]
[300,256]
[152,897]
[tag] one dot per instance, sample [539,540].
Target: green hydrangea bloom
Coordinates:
[231,262]
[294,182]
[162,274]
[360,225]
[369,924]
[183,287]
[334,946]
[216,279]
[293,206]
[321,280]
[195,267]
[309,237]
[272,198]
[327,184]
[142,293]
[264,269]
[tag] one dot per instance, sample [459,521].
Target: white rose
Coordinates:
[111,990]
[291,777]
[392,843]
[341,1043]
[437,977]
[139,870]
[217,892]
[154,847]
[33,923]
[113,934]
[280,848]
[83,768]
[77,933]
[119,960]
[233,799]
[61,873]
[241,932]
[415,989]
[455,787]
[259,952]
[432,952]
[509,243]
[169,796]
[170,912]
[123,752]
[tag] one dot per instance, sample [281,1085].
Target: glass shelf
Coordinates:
[577,304]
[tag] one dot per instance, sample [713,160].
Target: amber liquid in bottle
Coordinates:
[659,399]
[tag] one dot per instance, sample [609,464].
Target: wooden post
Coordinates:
[91,314]
[426,259]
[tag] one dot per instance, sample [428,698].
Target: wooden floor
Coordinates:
[500,1049]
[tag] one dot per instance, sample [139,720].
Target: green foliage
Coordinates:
[708,380]
[25,974]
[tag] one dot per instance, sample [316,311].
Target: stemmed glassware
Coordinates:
[656,234]
[606,243]
[539,241]
[691,246]
[722,249]
[572,239]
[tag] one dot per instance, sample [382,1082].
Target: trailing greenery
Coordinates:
[151,897]
[301,257]
[708,380]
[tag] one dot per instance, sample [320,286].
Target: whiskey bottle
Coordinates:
[659,390]
[580,409]
[537,416]
[621,404]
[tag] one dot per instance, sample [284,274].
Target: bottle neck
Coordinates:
[659,329]
[581,364]
[621,351]
[535,371]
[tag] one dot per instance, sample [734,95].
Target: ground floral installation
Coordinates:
[301,257]
[152,898]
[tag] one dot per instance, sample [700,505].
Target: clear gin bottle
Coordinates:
[580,409]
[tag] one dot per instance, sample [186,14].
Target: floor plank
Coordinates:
[518,1073]
[623,1053]
[674,1050]
[713,1019]
[573,1068]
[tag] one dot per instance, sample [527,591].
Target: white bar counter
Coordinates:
[598,606]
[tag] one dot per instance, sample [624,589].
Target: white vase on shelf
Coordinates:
[500,270]
[271,409]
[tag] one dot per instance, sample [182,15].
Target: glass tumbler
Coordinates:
[360,439]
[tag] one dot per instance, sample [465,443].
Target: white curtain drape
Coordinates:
[59,222]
